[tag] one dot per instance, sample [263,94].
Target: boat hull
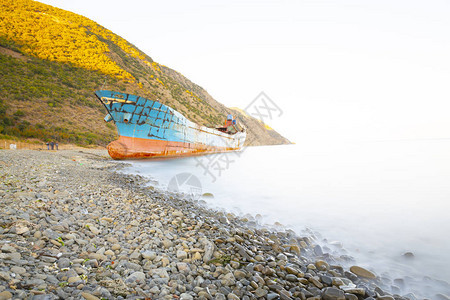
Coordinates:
[149,129]
[139,148]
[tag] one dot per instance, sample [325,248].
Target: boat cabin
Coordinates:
[230,126]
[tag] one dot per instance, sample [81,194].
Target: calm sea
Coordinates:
[373,201]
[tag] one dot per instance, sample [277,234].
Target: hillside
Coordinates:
[51,62]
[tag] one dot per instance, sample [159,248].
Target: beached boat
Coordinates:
[150,129]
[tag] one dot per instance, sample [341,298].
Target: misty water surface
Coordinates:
[379,199]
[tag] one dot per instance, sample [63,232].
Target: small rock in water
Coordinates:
[408,255]
[441,297]
[224,220]
[318,250]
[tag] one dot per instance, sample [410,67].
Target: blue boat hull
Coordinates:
[150,129]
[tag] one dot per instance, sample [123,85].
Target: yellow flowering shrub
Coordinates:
[58,35]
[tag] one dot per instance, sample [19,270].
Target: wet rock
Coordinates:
[93,263]
[88,296]
[151,255]
[6,248]
[232,296]
[74,279]
[386,297]
[322,265]
[186,296]
[20,228]
[162,273]
[318,250]
[292,270]
[359,271]
[282,256]
[259,292]
[332,293]
[353,290]
[97,256]
[408,255]
[5,295]
[268,271]
[291,278]
[412,296]
[63,263]
[42,296]
[224,220]
[239,274]
[197,256]
[285,295]
[18,270]
[228,279]
[350,296]
[395,289]
[5,276]
[399,282]
[220,296]
[243,253]
[442,297]
[326,280]
[183,267]
[316,282]
[272,296]
[208,251]
[138,277]
[181,254]
[116,247]
[167,243]
[135,256]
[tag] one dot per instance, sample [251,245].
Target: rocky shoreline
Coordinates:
[71,227]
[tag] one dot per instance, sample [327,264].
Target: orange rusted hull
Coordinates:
[139,148]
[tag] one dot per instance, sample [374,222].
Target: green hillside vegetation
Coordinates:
[52,61]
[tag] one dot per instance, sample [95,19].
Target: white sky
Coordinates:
[339,70]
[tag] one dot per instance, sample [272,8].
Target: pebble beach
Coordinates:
[73,227]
